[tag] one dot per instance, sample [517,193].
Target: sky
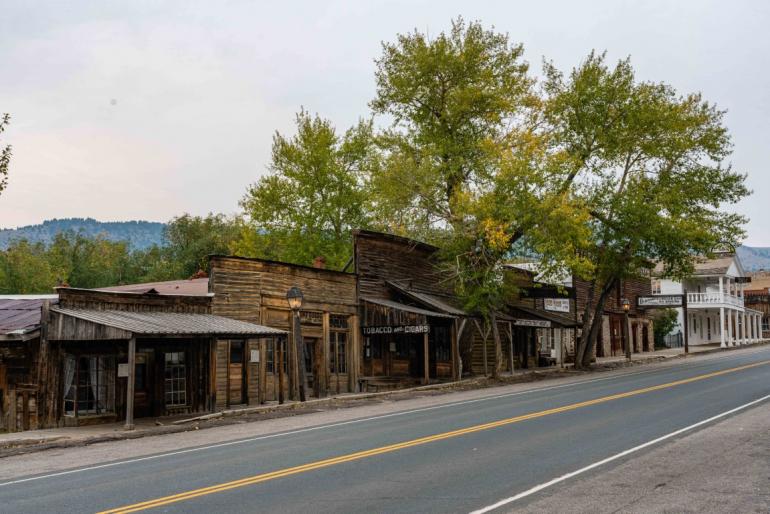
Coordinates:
[147,110]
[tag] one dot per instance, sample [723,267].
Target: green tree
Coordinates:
[467,165]
[665,320]
[24,269]
[5,153]
[314,196]
[649,176]
[189,240]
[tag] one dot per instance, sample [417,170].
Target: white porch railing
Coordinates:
[713,299]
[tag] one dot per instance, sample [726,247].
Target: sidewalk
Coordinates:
[36,440]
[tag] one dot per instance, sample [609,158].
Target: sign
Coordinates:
[254,356]
[556,304]
[400,329]
[122,370]
[539,323]
[660,300]
[742,280]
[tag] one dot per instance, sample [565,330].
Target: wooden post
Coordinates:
[426,359]
[280,370]
[131,380]
[458,364]
[686,328]
[510,346]
[262,380]
[299,352]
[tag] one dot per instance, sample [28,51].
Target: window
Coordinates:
[272,357]
[656,286]
[175,379]
[338,321]
[89,385]
[236,352]
[338,352]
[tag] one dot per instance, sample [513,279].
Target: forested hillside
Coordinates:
[139,235]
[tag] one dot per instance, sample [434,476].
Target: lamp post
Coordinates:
[626,307]
[294,297]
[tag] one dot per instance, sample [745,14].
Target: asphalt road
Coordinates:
[448,458]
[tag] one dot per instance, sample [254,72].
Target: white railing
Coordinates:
[706,299]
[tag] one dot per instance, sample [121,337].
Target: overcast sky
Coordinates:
[145,110]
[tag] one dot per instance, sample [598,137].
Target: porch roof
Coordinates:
[558,319]
[168,323]
[406,308]
[431,300]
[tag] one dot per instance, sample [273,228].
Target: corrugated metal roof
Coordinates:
[19,316]
[406,308]
[430,300]
[170,323]
[194,287]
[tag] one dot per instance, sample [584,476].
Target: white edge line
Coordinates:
[617,456]
[332,425]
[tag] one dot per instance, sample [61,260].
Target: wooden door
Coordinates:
[144,404]
[3,397]
[237,372]
[616,335]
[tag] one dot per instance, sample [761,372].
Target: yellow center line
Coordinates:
[264,477]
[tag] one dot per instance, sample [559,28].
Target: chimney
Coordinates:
[319,262]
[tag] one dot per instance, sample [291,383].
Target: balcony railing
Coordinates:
[713,299]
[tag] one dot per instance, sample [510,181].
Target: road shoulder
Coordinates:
[723,468]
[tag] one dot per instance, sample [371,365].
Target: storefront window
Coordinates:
[89,385]
[440,337]
[338,352]
[175,379]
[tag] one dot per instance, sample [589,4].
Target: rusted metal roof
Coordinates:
[431,300]
[193,287]
[19,315]
[519,311]
[406,308]
[169,323]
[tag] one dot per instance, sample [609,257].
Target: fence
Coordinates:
[674,340]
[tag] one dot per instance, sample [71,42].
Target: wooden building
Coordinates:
[411,322]
[254,290]
[19,356]
[107,356]
[610,340]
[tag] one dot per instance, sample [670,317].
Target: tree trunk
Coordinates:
[585,329]
[588,338]
[498,346]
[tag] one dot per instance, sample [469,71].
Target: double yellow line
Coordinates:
[256,479]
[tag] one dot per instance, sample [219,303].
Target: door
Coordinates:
[144,405]
[645,338]
[634,338]
[3,397]
[616,335]
[237,372]
[311,360]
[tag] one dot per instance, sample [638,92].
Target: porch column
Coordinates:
[744,328]
[759,327]
[722,343]
[131,380]
[730,328]
[426,359]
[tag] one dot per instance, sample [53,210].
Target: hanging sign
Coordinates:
[660,300]
[539,323]
[556,304]
[398,329]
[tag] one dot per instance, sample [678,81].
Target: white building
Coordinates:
[715,303]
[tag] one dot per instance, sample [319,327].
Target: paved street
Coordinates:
[457,453]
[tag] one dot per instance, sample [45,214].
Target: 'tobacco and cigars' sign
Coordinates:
[399,329]
[661,300]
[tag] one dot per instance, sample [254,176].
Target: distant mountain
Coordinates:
[754,258]
[140,234]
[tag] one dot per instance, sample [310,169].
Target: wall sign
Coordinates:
[254,356]
[660,300]
[556,304]
[400,329]
[122,370]
[539,323]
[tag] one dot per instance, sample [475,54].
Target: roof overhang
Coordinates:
[406,308]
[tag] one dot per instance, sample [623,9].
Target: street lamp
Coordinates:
[626,307]
[294,297]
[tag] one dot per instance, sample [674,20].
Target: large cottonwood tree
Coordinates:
[649,176]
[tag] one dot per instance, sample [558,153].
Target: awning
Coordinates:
[406,308]
[165,323]
[523,314]
[431,300]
